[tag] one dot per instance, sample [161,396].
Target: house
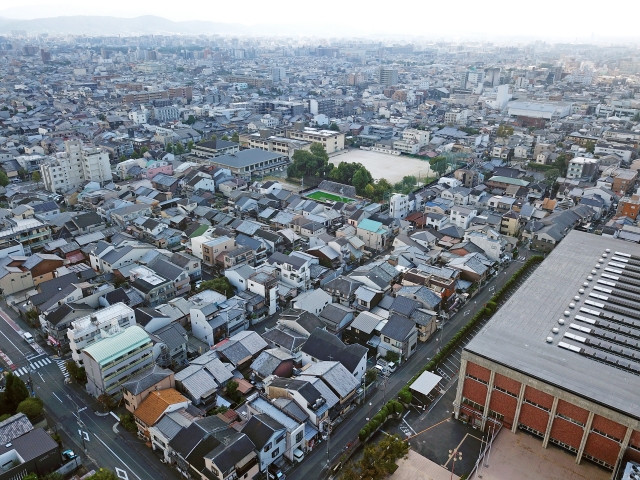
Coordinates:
[235,457]
[294,269]
[299,321]
[156,404]
[310,395]
[322,346]
[212,317]
[373,234]
[274,361]
[173,342]
[335,375]
[436,220]
[313,301]
[399,335]
[336,317]
[203,379]
[295,428]
[342,289]
[241,349]
[461,216]
[137,388]
[268,436]
[26,450]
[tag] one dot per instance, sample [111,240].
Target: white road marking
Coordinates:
[14,345]
[54,394]
[84,434]
[41,377]
[467,312]
[122,474]
[114,454]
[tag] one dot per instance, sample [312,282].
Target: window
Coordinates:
[267,447]
[299,437]
[386,339]
[275,453]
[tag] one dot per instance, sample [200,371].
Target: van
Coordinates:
[298,455]
[28,337]
[391,367]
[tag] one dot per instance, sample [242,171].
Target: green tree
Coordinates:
[122,158]
[382,188]
[392,356]
[232,391]
[235,137]
[590,147]
[370,376]
[438,165]
[191,120]
[144,150]
[169,147]
[369,192]
[179,149]
[551,175]
[361,179]
[189,145]
[334,127]
[36,177]
[225,138]
[128,422]
[15,391]
[31,407]
[135,154]
[220,284]
[504,131]
[4,179]
[30,476]
[106,401]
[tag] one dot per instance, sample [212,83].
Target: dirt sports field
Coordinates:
[382,165]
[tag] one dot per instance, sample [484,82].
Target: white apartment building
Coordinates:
[89,329]
[115,358]
[580,167]
[330,140]
[78,164]
[139,117]
[164,114]
[399,205]
[456,117]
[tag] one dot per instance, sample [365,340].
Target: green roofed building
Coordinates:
[114,359]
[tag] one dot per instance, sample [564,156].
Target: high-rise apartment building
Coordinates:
[78,164]
[387,76]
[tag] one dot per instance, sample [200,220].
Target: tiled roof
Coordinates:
[152,408]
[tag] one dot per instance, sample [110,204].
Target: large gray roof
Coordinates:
[579,358]
[244,158]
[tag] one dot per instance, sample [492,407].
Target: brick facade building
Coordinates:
[561,358]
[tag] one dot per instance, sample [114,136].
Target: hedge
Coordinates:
[404,394]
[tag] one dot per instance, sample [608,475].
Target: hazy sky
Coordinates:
[542,18]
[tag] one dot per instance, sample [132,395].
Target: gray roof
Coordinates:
[14,427]
[366,322]
[516,335]
[326,346]
[269,360]
[398,327]
[341,381]
[146,379]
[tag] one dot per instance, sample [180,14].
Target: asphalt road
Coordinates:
[314,465]
[107,445]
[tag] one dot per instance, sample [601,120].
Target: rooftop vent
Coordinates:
[549,339]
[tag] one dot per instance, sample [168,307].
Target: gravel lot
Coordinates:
[382,165]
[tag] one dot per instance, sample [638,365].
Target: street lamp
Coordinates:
[456,455]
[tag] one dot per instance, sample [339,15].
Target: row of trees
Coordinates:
[378,459]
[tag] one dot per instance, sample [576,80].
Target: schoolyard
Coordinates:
[383,165]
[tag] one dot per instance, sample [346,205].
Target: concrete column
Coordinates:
[458,401]
[487,401]
[585,435]
[623,447]
[516,417]
[552,415]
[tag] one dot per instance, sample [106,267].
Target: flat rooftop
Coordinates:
[595,353]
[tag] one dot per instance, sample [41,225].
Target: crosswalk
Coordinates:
[32,366]
[63,368]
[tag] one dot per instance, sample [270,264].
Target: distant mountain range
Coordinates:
[153,25]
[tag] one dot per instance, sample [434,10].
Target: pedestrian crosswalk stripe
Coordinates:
[47,361]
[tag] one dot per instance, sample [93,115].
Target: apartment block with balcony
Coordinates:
[154,288]
[30,233]
[87,330]
[115,359]
[76,165]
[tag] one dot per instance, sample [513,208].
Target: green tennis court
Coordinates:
[319,195]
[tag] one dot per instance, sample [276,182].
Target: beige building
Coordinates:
[330,140]
[138,388]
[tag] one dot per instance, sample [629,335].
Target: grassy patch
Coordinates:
[328,196]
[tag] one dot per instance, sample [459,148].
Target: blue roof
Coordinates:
[372,226]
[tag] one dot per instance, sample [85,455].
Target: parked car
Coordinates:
[68,455]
